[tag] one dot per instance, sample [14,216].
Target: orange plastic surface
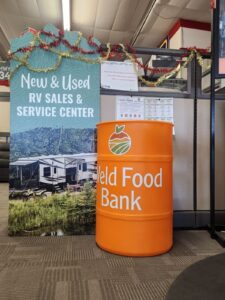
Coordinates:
[134,187]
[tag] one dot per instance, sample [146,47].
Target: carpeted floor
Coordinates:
[202,280]
[66,268]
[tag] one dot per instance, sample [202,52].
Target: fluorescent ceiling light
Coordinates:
[66,14]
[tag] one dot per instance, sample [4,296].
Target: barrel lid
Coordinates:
[135,121]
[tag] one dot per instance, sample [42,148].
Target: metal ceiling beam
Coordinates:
[143,21]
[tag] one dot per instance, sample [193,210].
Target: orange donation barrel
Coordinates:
[134,187]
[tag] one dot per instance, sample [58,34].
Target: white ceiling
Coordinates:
[142,23]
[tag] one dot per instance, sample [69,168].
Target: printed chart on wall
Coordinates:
[159,109]
[143,108]
[53,168]
[130,108]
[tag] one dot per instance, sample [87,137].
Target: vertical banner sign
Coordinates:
[55,93]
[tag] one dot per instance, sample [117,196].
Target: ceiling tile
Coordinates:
[162,26]
[28,8]
[179,3]
[10,30]
[84,12]
[146,40]
[195,15]
[199,5]
[154,22]
[167,11]
[106,13]
[117,37]
[125,21]
[50,13]
[9,7]
[4,45]
[102,35]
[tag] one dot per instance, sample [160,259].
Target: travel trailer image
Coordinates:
[52,188]
[53,171]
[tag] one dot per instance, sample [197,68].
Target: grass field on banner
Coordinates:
[67,213]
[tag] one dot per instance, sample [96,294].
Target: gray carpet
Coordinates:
[66,268]
[204,280]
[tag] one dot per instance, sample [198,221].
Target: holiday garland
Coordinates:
[76,52]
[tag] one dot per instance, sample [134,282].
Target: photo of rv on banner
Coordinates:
[53,173]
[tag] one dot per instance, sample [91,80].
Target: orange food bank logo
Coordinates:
[119,142]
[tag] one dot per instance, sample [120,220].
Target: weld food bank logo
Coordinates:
[119,141]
